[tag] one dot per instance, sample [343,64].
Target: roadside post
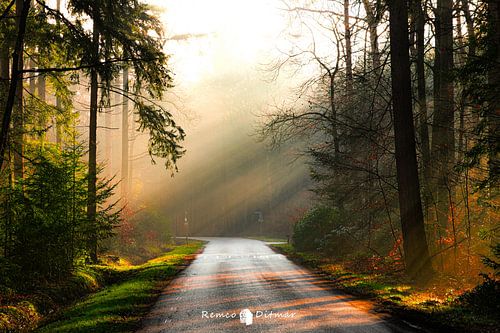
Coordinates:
[186,224]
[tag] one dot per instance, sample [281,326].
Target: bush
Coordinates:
[311,229]
[484,298]
[323,229]
[142,235]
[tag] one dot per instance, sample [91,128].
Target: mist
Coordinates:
[230,180]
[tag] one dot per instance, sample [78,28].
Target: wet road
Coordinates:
[234,274]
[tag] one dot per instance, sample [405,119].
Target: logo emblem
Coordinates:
[246,317]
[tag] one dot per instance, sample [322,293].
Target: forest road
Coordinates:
[237,276]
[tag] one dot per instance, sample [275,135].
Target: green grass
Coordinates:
[306,258]
[120,307]
[394,293]
[268,239]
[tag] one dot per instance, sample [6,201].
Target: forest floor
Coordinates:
[443,305]
[110,297]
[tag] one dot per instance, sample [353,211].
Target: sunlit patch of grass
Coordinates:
[115,261]
[87,278]
[284,248]
[120,307]
[269,239]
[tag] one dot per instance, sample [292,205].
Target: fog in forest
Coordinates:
[230,181]
[359,138]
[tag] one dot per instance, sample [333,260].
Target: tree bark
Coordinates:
[443,141]
[32,79]
[421,88]
[18,130]
[4,93]
[42,96]
[417,259]
[133,130]
[124,173]
[92,182]
[16,77]
[58,99]
[470,28]
[422,115]
[108,123]
[348,50]
[373,21]
[4,76]
[493,115]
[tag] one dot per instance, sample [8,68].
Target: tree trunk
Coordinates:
[493,115]
[42,96]
[470,28]
[16,76]
[108,124]
[4,93]
[132,145]
[423,129]
[58,99]
[418,264]
[57,123]
[124,173]
[348,50]
[4,76]
[92,183]
[335,135]
[470,42]
[373,21]
[443,141]
[421,88]
[32,79]
[18,130]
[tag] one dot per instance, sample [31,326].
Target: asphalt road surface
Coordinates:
[236,277]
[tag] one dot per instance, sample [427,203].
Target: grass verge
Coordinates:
[112,297]
[121,306]
[268,239]
[434,307]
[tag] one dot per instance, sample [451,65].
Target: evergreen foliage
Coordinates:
[47,230]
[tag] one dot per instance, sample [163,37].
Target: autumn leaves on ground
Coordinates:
[444,304]
[364,132]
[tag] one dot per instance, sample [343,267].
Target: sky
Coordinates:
[227,34]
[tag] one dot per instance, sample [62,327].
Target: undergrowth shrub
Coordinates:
[45,230]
